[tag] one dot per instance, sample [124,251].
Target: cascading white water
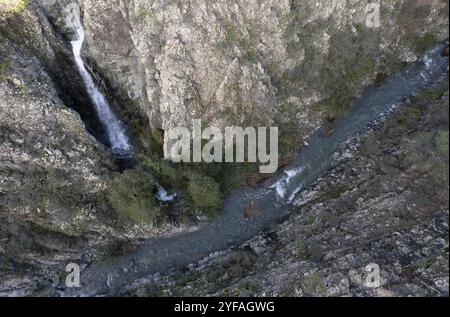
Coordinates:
[163,196]
[116,133]
[281,186]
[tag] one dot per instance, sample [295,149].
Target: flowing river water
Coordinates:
[273,197]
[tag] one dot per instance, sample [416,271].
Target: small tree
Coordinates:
[131,195]
[204,193]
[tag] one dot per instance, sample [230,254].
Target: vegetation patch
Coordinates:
[333,195]
[336,69]
[414,16]
[132,196]
[423,43]
[409,117]
[13,6]
[432,94]
[204,193]
[313,284]
[4,67]
[441,143]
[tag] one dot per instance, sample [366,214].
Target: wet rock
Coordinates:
[407,56]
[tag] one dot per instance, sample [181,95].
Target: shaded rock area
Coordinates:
[385,203]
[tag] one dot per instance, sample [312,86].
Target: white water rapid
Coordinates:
[115,132]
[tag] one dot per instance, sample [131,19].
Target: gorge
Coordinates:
[232,228]
[89,90]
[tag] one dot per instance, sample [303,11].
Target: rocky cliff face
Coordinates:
[293,64]
[53,173]
[287,63]
[290,63]
[55,176]
[371,209]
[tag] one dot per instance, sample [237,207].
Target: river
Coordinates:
[233,228]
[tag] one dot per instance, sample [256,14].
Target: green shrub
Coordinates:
[235,175]
[250,55]
[409,117]
[334,194]
[432,94]
[231,34]
[441,143]
[302,250]
[204,193]
[166,172]
[4,66]
[132,196]
[314,284]
[423,43]
[340,101]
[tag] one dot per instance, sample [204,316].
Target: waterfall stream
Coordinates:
[117,138]
[163,195]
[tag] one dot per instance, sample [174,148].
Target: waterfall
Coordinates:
[163,196]
[115,132]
